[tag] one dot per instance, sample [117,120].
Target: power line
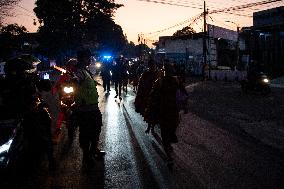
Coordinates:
[213,5]
[225,10]
[168,3]
[244,15]
[233,10]
[199,6]
[24,9]
[186,4]
[27,15]
[193,19]
[244,6]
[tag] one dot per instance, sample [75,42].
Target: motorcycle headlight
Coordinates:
[5,147]
[68,90]
[266,80]
[98,65]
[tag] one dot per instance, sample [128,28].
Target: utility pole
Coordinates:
[204,42]
[238,46]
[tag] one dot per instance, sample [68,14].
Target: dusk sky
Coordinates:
[144,16]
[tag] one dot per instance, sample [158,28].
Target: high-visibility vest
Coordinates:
[86,93]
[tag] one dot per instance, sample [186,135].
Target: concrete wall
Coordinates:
[227,75]
[179,46]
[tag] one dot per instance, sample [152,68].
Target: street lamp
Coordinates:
[238,40]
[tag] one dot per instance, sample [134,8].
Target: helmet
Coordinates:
[71,64]
[19,65]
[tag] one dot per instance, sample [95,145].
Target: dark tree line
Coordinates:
[12,39]
[67,25]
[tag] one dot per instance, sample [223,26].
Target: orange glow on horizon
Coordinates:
[143,17]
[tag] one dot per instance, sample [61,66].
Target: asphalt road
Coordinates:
[133,159]
[207,156]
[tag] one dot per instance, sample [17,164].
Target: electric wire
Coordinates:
[168,3]
[229,10]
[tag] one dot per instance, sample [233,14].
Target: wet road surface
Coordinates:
[133,159]
[205,157]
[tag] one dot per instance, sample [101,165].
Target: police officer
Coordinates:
[89,117]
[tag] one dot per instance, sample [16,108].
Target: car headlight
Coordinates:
[68,90]
[266,80]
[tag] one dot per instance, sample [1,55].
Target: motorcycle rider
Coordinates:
[67,77]
[23,103]
[89,117]
[256,80]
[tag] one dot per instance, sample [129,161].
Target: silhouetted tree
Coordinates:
[186,31]
[5,7]
[13,29]
[70,24]
[11,37]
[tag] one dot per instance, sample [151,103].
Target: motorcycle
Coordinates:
[257,83]
[67,102]
[24,137]
[11,143]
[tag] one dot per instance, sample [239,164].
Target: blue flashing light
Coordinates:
[107,57]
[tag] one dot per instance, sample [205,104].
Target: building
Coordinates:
[264,42]
[274,16]
[188,50]
[185,50]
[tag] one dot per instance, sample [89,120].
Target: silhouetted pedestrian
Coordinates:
[162,108]
[117,76]
[145,85]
